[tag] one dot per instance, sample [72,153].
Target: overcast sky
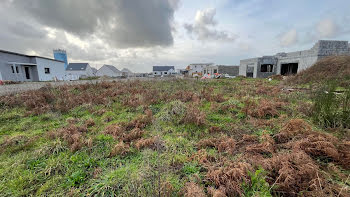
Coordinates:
[138,34]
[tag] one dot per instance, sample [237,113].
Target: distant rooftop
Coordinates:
[201,63]
[126,70]
[77,66]
[163,68]
[20,54]
[113,68]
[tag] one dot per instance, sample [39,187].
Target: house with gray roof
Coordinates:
[80,70]
[109,71]
[163,71]
[20,67]
[127,73]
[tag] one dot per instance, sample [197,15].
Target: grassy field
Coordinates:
[228,137]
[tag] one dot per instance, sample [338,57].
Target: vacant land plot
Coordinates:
[230,137]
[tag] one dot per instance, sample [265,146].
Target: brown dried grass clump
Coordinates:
[298,135]
[217,192]
[193,190]
[73,135]
[202,157]
[230,178]
[114,130]
[147,143]
[266,147]
[194,115]
[140,122]
[266,109]
[344,151]
[215,129]
[223,144]
[250,138]
[291,129]
[120,149]
[185,96]
[133,135]
[90,122]
[263,89]
[17,143]
[295,172]
[208,94]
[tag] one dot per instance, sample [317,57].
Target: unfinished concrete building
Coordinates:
[222,69]
[291,63]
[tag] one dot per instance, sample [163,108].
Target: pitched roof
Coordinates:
[94,70]
[77,66]
[126,70]
[14,53]
[113,68]
[163,68]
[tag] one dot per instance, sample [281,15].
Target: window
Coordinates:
[215,71]
[155,73]
[266,68]
[17,70]
[165,73]
[47,70]
[13,69]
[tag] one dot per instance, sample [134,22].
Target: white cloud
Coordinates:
[204,27]
[327,28]
[289,38]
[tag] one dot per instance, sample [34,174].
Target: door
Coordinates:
[27,72]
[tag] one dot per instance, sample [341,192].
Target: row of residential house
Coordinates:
[20,67]
[279,64]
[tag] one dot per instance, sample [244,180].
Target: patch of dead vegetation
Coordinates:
[120,149]
[193,190]
[75,136]
[223,144]
[151,143]
[194,115]
[230,178]
[291,159]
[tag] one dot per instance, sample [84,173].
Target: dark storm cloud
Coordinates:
[122,23]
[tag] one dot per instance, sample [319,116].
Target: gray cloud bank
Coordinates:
[120,23]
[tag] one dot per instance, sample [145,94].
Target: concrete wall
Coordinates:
[266,60]
[198,68]
[56,69]
[222,69]
[305,59]
[6,70]
[252,63]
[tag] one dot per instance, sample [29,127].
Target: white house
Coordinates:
[20,67]
[79,70]
[127,73]
[163,70]
[109,71]
[197,68]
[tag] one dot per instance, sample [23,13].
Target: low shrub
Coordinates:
[330,109]
[257,185]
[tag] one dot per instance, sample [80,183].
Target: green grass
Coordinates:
[32,164]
